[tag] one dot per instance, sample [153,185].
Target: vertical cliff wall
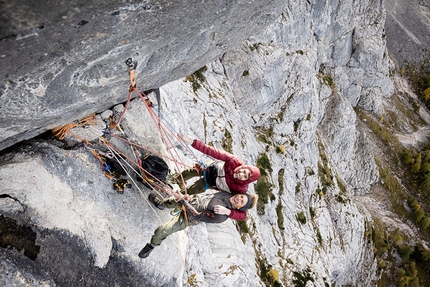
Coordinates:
[288,93]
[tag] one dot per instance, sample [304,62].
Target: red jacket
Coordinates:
[231,164]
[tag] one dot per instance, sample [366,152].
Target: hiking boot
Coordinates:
[175,211]
[146,250]
[156,201]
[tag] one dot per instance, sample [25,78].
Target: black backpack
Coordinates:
[155,168]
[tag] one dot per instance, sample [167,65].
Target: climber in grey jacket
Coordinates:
[199,208]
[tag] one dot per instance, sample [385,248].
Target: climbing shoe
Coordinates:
[146,250]
[156,201]
[175,211]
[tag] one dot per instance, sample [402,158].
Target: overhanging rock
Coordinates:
[61,62]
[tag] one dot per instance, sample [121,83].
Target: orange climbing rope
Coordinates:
[61,132]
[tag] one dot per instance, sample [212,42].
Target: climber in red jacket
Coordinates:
[226,173]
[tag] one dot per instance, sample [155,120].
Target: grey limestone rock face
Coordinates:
[408,35]
[297,83]
[59,60]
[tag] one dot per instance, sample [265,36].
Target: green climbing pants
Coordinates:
[196,187]
[177,223]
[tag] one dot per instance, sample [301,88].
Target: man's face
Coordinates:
[238,201]
[242,174]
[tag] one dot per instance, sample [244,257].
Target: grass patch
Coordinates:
[265,135]
[242,228]
[281,181]
[301,279]
[264,190]
[400,261]
[326,78]
[268,275]
[263,163]
[301,217]
[397,193]
[280,216]
[324,172]
[192,281]
[382,132]
[227,141]
[196,78]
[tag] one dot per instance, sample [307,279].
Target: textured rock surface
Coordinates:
[61,59]
[300,79]
[408,35]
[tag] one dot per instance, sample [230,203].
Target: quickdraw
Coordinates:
[119,184]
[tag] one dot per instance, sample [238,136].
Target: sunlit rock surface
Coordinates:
[300,79]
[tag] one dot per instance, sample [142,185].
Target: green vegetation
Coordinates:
[264,190]
[197,77]
[420,217]
[254,47]
[298,185]
[268,275]
[300,279]
[405,173]
[397,192]
[414,266]
[199,74]
[327,79]
[301,217]
[324,172]
[265,135]
[280,149]
[227,141]
[382,132]
[280,216]
[311,212]
[192,281]
[263,187]
[242,228]
[273,277]
[420,80]
[296,125]
[279,206]
[263,163]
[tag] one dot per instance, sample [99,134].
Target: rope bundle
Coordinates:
[61,132]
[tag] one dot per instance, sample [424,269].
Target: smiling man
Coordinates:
[204,207]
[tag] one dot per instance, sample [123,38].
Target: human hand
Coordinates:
[218,209]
